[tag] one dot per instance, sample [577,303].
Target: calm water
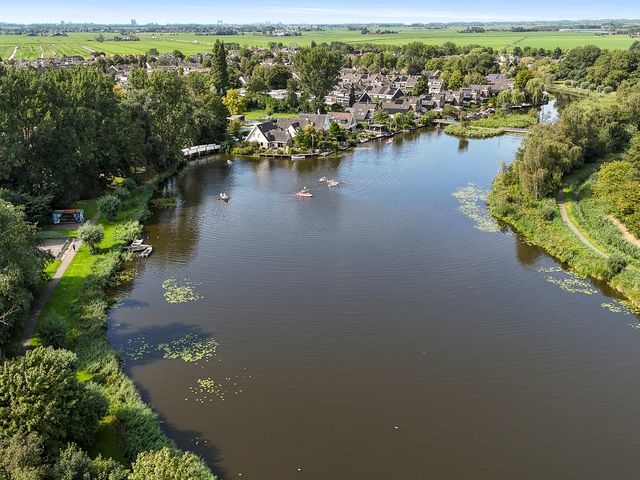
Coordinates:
[373,332]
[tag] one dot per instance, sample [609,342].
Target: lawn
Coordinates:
[262,115]
[190,43]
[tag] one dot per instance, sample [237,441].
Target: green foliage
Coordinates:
[53,330]
[219,68]
[21,457]
[615,264]
[576,62]
[20,265]
[618,184]
[75,464]
[109,205]
[121,192]
[234,102]
[39,393]
[318,67]
[127,232]
[91,235]
[166,464]
[545,157]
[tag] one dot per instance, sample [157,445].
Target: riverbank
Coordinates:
[80,298]
[492,126]
[541,223]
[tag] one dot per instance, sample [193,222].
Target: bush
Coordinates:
[91,235]
[43,388]
[109,205]
[122,193]
[166,464]
[127,232]
[53,330]
[548,211]
[607,90]
[615,264]
[129,183]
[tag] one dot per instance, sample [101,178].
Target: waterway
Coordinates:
[386,328]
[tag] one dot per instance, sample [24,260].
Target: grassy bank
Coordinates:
[80,299]
[539,222]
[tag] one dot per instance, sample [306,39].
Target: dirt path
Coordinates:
[12,56]
[569,223]
[628,236]
[41,301]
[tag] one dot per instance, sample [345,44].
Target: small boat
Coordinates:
[389,141]
[325,154]
[224,196]
[146,252]
[229,162]
[322,179]
[332,183]
[297,157]
[304,193]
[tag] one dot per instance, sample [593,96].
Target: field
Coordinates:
[190,43]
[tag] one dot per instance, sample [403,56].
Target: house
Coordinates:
[435,85]
[363,112]
[269,135]
[395,107]
[343,119]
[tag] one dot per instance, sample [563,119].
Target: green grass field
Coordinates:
[190,43]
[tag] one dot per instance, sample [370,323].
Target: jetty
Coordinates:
[200,150]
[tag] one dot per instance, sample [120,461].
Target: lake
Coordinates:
[383,329]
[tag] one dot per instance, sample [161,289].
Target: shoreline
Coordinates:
[556,238]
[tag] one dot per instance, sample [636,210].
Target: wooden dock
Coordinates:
[200,150]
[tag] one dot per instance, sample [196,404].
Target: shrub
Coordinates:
[548,211]
[53,330]
[91,235]
[42,386]
[127,232]
[129,183]
[122,193]
[166,464]
[607,90]
[615,264]
[109,205]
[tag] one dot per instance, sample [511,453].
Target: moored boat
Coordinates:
[332,183]
[322,179]
[224,196]
[297,157]
[229,162]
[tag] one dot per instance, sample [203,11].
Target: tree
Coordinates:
[454,81]
[318,67]
[21,457]
[166,464]
[234,102]
[20,265]
[40,393]
[219,68]
[109,205]
[535,89]
[53,330]
[352,96]
[545,157]
[91,234]
[74,464]
[522,77]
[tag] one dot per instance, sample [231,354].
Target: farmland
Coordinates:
[190,43]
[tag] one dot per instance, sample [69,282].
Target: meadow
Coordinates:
[191,43]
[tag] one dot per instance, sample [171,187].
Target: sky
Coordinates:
[305,11]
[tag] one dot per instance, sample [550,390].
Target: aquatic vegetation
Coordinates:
[567,281]
[190,348]
[207,389]
[180,291]
[126,275]
[572,284]
[617,306]
[136,348]
[472,203]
